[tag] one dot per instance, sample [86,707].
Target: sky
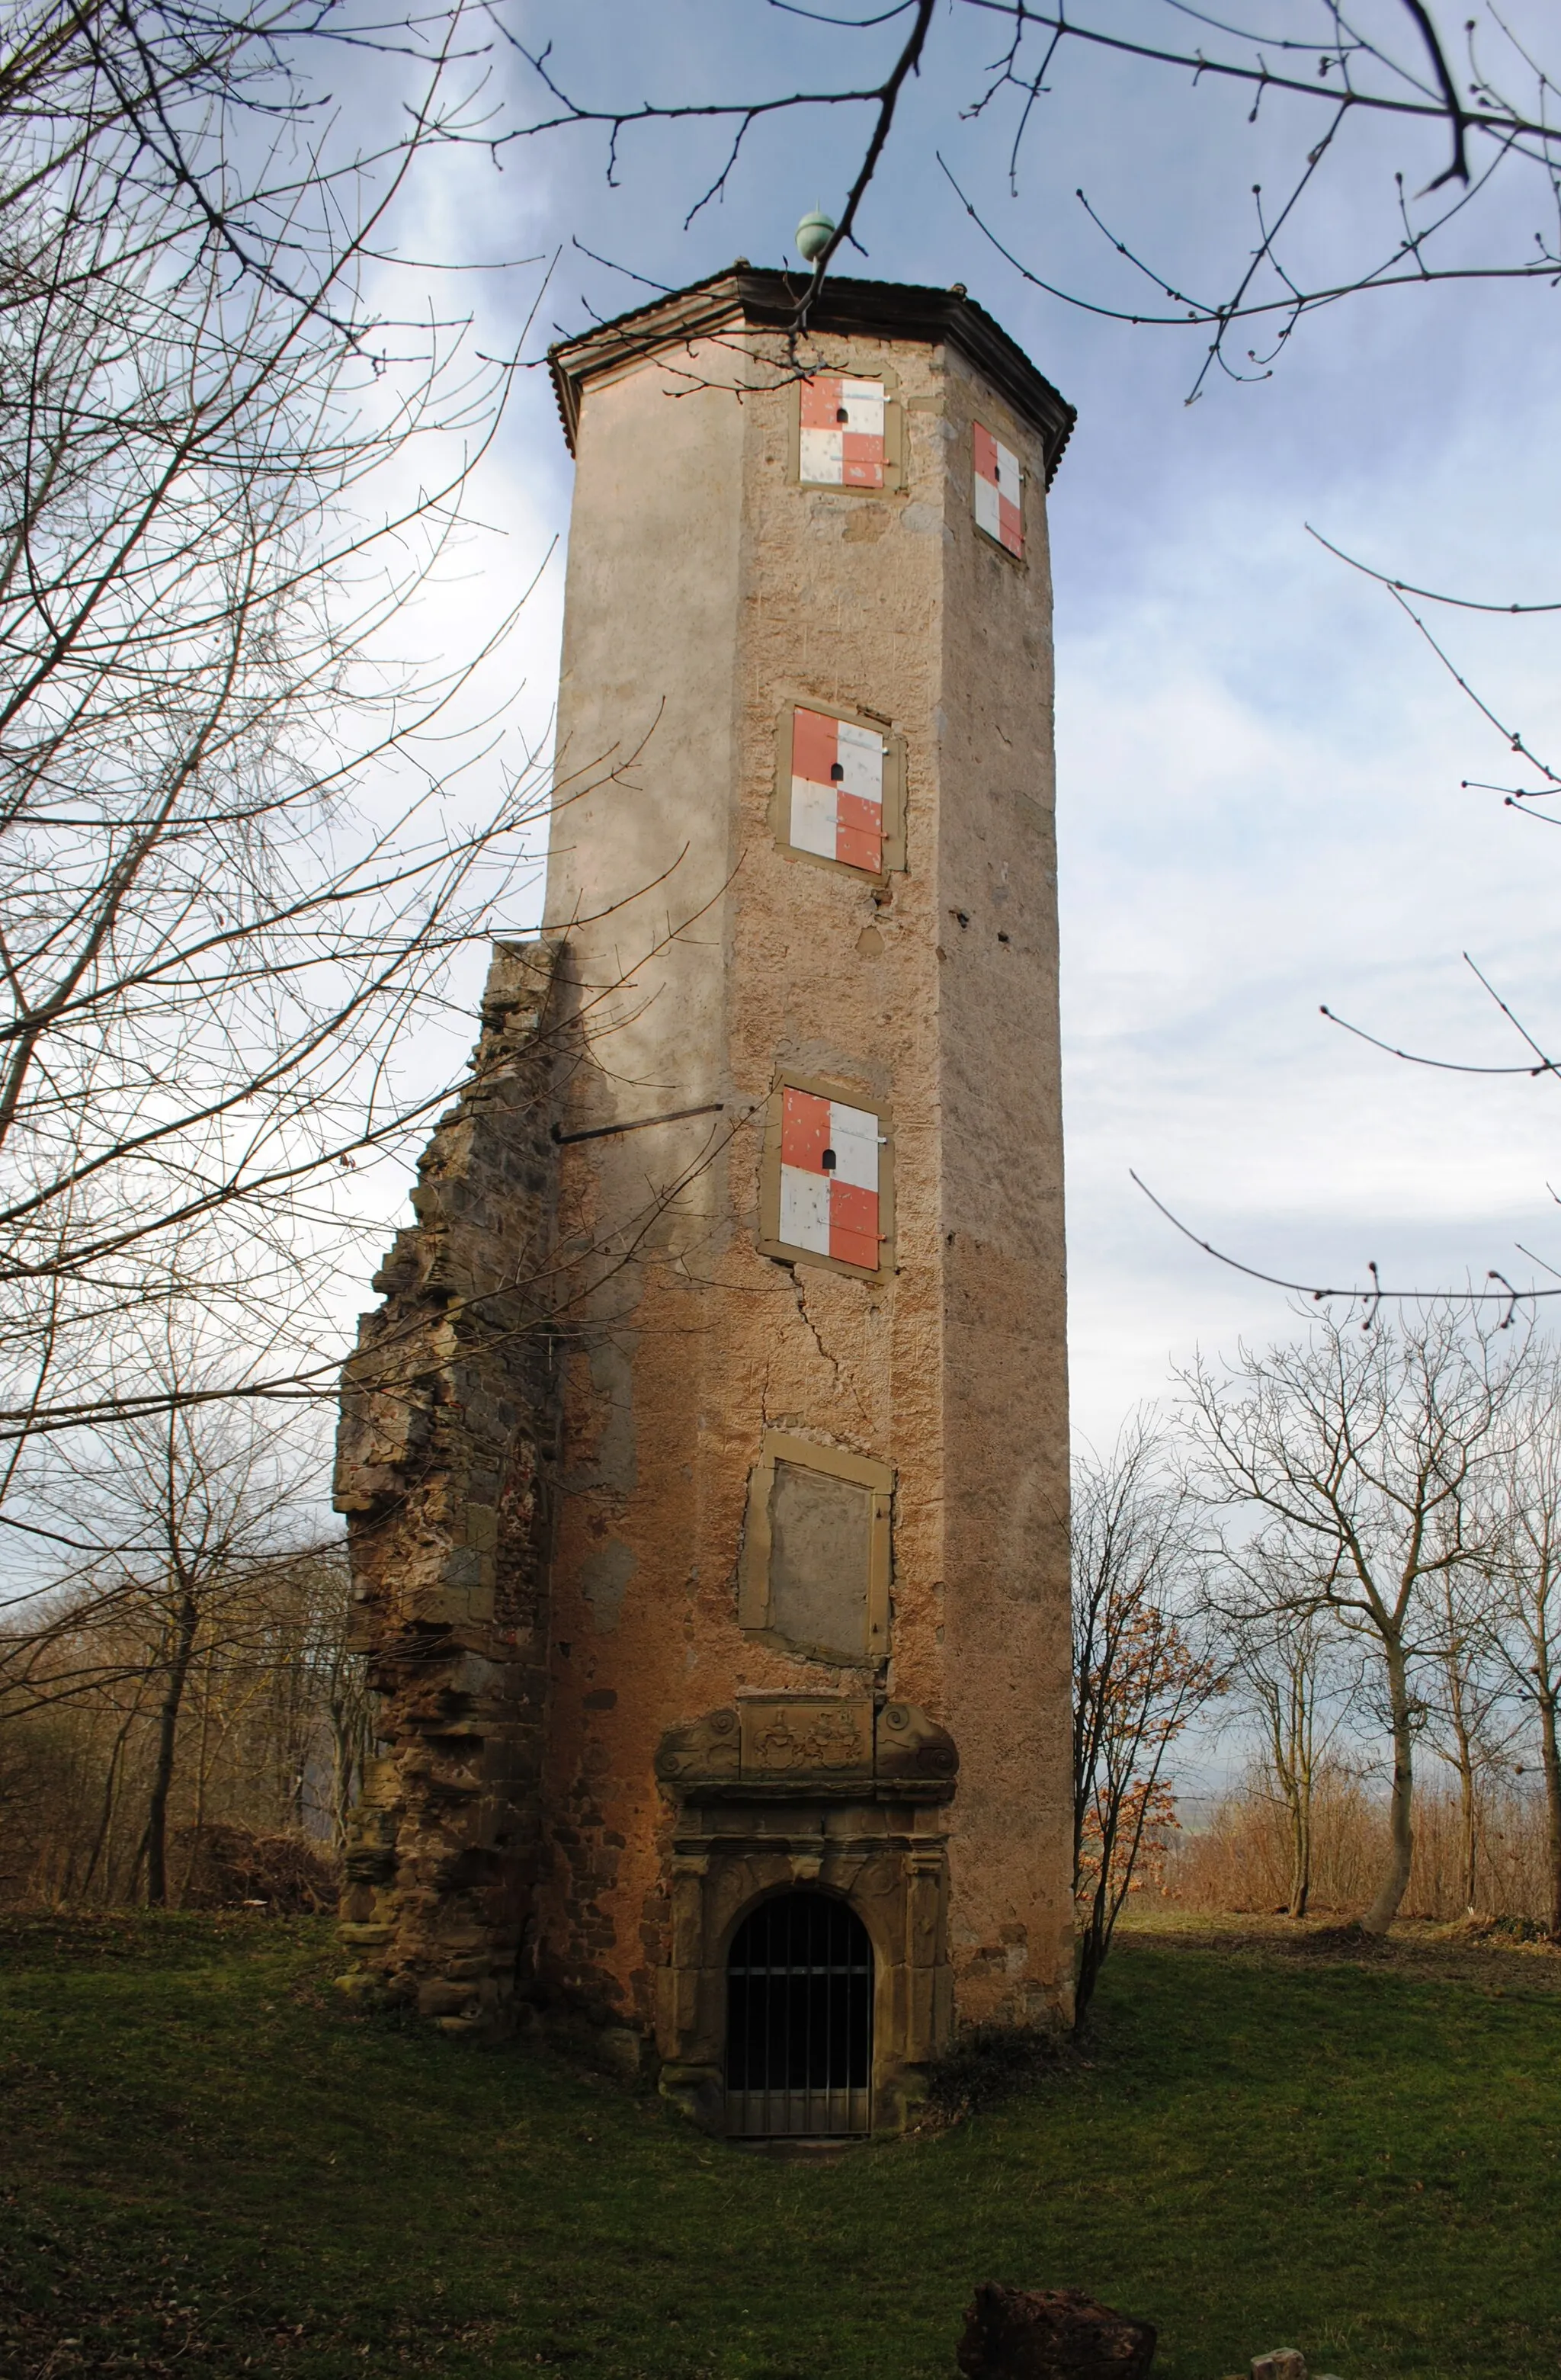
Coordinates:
[1260,761]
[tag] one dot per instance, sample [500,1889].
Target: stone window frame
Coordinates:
[753,1569]
[894,776]
[894,439]
[997,424]
[770,1241]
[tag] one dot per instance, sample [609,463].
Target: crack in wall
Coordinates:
[841,1382]
[813,1331]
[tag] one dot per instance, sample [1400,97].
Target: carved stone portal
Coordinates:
[826,1791]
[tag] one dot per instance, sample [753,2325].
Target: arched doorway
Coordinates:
[799,2020]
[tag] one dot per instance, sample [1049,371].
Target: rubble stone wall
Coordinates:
[447,1432]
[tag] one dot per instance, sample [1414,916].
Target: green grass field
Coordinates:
[207,2167]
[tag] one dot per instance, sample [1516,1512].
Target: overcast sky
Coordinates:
[1259,762]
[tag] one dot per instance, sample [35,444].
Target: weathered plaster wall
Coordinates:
[705,592]
[640,866]
[1006,1661]
[447,1427]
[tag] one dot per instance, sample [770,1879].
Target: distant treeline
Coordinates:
[1237,1855]
[251,1775]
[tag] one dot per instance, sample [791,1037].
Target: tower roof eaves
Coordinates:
[771,300]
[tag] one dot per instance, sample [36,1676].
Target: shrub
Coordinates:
[986,2063]
[230,1865]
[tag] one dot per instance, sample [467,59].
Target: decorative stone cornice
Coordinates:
[835,1747]
[884,309]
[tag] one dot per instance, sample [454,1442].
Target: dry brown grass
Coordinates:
[1238,1859]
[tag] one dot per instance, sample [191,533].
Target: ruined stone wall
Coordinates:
[446,1434]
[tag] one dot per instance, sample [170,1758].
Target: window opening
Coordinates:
[814,1573]
[999,491]
[837,790]
[839,1213]
[799,2030]
[841,440]
[830,1179]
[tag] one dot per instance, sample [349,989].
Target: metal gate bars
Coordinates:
[799,2032]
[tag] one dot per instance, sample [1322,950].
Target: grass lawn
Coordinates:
[208,2168]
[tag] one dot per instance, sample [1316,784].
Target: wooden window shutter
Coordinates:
[827,1176]
[840,789]
[998,490]
[848,431]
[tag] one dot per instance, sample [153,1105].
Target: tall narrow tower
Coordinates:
[706,1466]
[807,1627]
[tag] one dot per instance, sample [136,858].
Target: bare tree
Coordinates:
[195,1659]
[184,1510]
[1526,1497]
[1284,1682]
[1467,1711]
[1139,1678]
[1349,1464]
[1448,121]
[320,1708]
[230,883]
[267,1739]
[1448,124]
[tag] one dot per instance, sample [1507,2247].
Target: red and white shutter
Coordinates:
[830,1162]
[837,790]
[843,432]
[997,509]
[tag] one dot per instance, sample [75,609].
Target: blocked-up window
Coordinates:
[814,1571]
[848,433]
[1000,492]
[826,1191]
[840,790]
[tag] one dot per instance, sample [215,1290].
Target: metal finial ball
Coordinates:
[813,236]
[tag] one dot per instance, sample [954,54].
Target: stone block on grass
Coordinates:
[1279,2363]
[1052,2335]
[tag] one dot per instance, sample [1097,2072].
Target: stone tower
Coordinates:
[765,1599]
